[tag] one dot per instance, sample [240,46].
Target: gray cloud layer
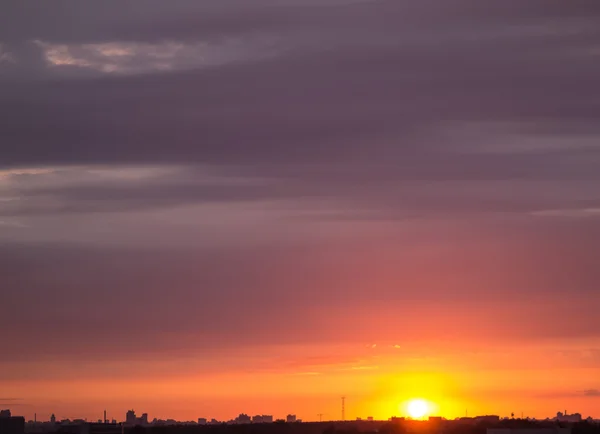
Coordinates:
[282,125]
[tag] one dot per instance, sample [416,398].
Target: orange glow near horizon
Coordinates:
[380,381]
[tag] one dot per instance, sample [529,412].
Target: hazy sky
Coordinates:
[209,207]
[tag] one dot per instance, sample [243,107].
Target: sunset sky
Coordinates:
[210,207]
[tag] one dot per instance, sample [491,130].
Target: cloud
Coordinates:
[569,213]
[137,57]
[12,223]
[338,193]
[5,56]
[373,121]
[302,109]
[12,402]
[591,392]
[89,189]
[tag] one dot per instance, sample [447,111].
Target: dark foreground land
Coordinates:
[355,427]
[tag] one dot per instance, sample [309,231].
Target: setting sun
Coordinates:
[417,408]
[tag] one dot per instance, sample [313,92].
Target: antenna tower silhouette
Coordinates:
[343,408]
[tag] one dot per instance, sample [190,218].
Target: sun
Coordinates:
[417,408]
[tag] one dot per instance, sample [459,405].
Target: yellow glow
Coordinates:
[417,408]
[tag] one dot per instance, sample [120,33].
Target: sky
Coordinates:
[214,207]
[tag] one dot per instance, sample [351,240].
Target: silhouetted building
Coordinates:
[565,417]
[370,418]
[435,419]
[132,420]
[202,421]
[290,418]
[4,414]
[11,425]
[487,418]
[243,418]
[52,419]
[262,418]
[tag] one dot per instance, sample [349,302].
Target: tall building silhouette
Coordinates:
[130,418]
[10,424]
